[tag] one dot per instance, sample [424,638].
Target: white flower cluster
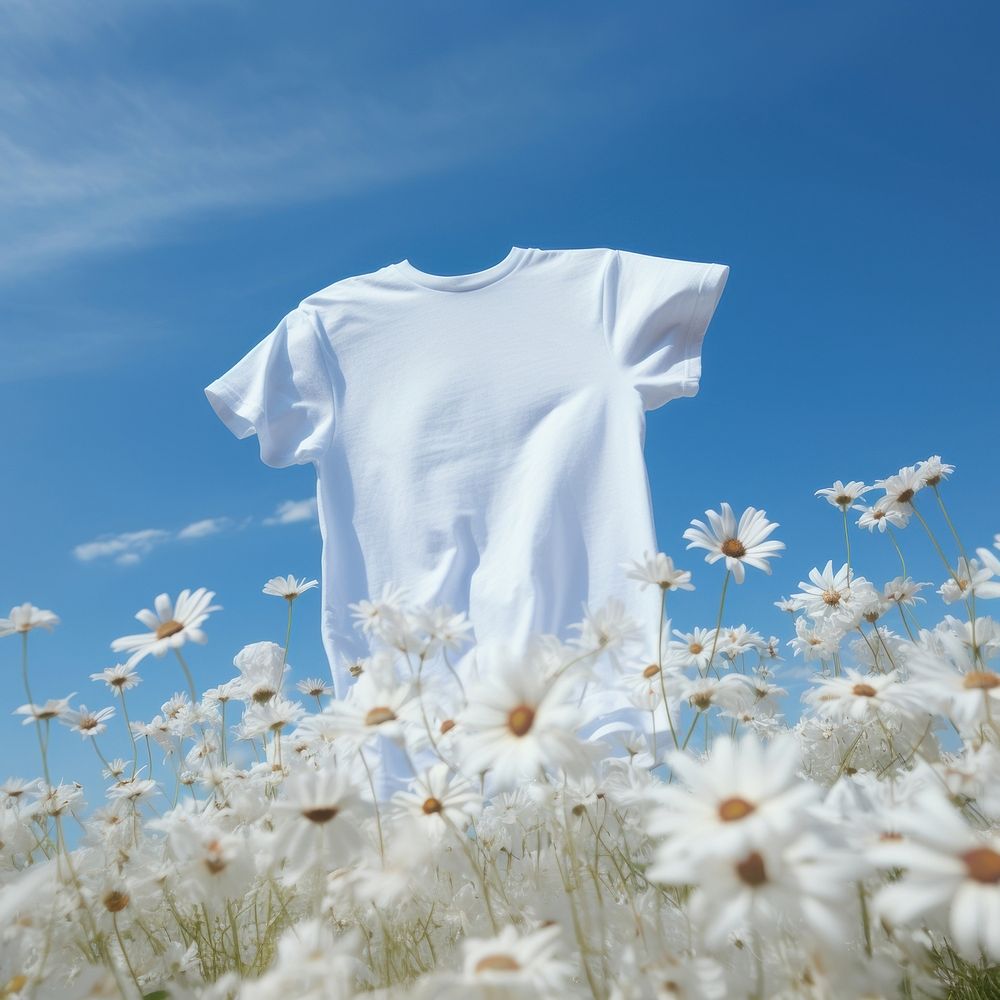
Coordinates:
[695,845]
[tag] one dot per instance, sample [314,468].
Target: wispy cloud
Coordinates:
[130,547]
[98,149]
[125,549]
[204,528]
[293,512]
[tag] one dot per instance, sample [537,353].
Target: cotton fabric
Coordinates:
[478,438]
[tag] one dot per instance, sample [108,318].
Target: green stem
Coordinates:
[378,818]
[971,600]
[31,702]
[906,624]
[131,735]
[899,551]
[865,920]
[659,667]
[694,722]
[718,625]
[97,749]
[187,674]
[288,633]
[847,542]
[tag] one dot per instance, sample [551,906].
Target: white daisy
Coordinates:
[608,628]
[943,671]
[518,725]
[736,641]
[15,789]
[788,604]
[378,704]
[646,683]
[314,687]
[987,634]
[989,588]
[902,590]
[54,708]
[132,790]
[170,626]
[692,649]
[866,603]
[227,691]
[85,722]
[734,801]
[211,863]
[522,965]
[321,815]
[658,569]
[732,692]
[26,617]
[381,617]
[900,489]
[844,495]
[829,592]
[288,587]
[933,470]
[120,677]
[438,800]
[882,518]
[445,628]
[737,543]
[815,640]
[969,578]
[947,868]
[856,696]
[801,887]
[269,717]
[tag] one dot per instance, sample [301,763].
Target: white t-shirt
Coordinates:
[478,438]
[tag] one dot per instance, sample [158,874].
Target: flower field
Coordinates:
[475,824]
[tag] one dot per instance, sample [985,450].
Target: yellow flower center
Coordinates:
[115,901]
[735,809]
[169,628]
[751,870]
[696,648]
[320,814]
[432,806]
[831,597]
[905,497]
[215,864]
[651,671]
[497,963]
[864,691]
[733,548]
[980,680]
[521,719]
[379,714]
[983,865]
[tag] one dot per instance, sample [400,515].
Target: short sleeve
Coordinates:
[657,311]
[282,391]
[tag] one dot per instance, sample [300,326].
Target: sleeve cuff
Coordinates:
[230,409]
[709,292]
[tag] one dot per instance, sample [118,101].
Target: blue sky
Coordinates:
[175,176]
